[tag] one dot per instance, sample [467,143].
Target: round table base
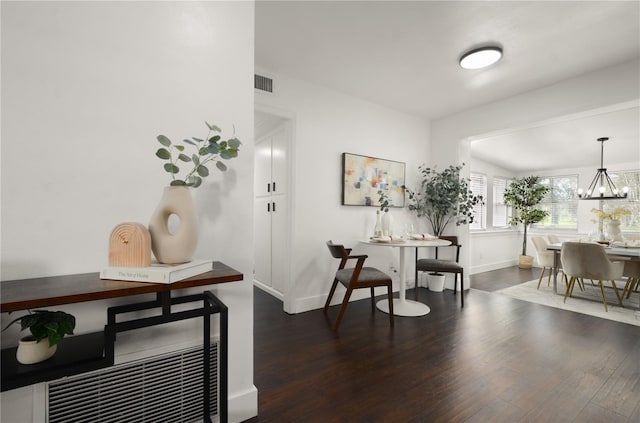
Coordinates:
[404,307]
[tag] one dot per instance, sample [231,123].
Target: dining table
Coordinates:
[402,306]
[629,253]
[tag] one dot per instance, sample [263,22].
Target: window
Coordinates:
[629,179]
[501,211]
[478,185]
[561,202]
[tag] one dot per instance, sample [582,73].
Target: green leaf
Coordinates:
[164,140]
[163,153]
[234,143]
[171,168]
[212,149]
[202,171]
[203,151]
[190,142]
[225,154]
[196,159]
[184,158]
[215,138]
[221,166]
[212,127]
[177,183]
[197,139]
[234,153]
[179,147]
[194,181]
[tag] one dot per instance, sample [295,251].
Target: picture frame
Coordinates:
[364,176]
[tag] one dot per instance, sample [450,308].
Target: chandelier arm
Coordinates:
[592,185]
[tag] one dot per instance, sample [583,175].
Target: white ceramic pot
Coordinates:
[436,282]
[178,247]
[31,352]
[613,230]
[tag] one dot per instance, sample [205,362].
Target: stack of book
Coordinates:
[157,272]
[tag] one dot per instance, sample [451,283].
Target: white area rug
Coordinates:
[586,302]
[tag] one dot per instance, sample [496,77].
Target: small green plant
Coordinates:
[42,324]
[523,194]
[209,149]
[443,197]
[385,201]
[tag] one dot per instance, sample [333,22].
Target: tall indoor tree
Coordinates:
[523,195]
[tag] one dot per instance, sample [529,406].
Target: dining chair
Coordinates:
[443,266]
[589,260]
[354,278]
[545,260]
[632,272]
[553,239]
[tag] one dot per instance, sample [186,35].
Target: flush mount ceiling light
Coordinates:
[482,57]
[602,183]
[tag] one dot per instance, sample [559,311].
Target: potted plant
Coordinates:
[443,197]
[523,195]
[386,219]
[173,247]
[47,329]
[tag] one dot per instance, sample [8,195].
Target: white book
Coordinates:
[157,272]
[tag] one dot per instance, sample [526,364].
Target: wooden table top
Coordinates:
[42,292]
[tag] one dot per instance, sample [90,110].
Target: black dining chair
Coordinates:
[443,266]
[354,278]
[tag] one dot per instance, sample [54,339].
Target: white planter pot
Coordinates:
[31,352]
[436,282]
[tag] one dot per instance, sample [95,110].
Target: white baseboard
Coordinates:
[493,266]
[269,290]
[243,405]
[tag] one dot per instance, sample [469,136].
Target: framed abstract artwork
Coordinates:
[364,176]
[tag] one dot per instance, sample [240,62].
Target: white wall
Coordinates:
[492,248]
[86,88]
[450,136]
[328,123]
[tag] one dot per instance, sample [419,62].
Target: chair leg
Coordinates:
[462,289]
[343,308]
[549,276]
[567,293]
[604,297]
[390,296]
[373,301]
[331,292]
[416,287]
[615,289]
[541,276]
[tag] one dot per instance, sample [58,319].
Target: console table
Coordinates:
[83,353]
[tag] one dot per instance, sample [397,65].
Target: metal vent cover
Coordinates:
[263,83]
[166,388]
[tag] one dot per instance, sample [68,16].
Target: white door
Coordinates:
[270,211]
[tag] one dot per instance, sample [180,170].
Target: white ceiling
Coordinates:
[404,55]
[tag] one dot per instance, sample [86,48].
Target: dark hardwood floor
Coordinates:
[497,360]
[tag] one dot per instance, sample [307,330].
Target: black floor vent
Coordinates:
[166,388]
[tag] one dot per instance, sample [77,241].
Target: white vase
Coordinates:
[387,224]
[613,230]
[178,247]
[31,352]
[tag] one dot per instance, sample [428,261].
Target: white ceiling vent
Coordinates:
[263,83]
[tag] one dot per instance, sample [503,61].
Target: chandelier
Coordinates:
[598,186]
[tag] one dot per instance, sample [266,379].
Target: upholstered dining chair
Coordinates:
[545,260]
[553,239]
[589,260]
[443,266]
[356,277]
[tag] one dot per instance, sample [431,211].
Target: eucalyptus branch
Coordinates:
[209,149]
